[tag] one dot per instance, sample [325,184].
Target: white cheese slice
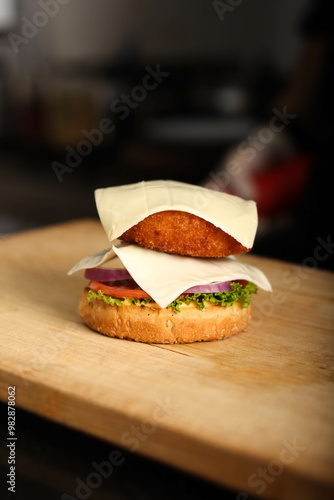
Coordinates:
[122,207]
[164,276]
[94,260]
[98,259]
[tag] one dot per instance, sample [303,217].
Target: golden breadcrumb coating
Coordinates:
[182,233]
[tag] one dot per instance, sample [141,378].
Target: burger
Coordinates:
[170,274]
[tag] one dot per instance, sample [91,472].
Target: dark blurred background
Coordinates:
[242,102]
[235,81]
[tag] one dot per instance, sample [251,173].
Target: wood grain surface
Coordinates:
[253,412]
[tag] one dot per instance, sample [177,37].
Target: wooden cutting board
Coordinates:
[253,412]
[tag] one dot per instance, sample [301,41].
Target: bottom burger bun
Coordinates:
[151,324]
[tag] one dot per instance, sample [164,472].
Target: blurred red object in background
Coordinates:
[282,185]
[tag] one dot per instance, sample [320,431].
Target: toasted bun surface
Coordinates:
[182,233]
[153,325]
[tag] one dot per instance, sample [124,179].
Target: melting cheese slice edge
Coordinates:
[164,276]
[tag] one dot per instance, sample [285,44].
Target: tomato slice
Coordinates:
[121,292]
[241,282]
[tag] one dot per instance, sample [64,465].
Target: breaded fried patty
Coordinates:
[182,233]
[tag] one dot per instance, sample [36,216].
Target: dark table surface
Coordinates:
[55,462]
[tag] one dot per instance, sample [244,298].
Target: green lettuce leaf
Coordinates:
[238,293]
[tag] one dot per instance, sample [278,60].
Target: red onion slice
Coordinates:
[128,283]
[109,275]
[210,288]
[101,275]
